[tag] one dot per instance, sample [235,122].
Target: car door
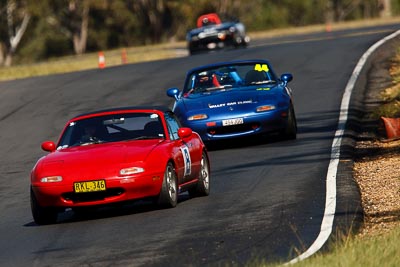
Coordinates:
[186,151]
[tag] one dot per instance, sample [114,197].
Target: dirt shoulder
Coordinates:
[377,160]
[378,176]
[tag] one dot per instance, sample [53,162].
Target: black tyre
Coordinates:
[168,197]
[42,215]
[290,131]
[203,185]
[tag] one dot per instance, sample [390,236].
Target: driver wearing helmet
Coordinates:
[207,79]
[202,81]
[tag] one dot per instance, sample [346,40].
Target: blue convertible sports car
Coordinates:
[236,99]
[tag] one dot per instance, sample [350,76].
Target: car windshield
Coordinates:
[112,128]
[228,77]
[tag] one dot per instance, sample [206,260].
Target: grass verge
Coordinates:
[371,252]
[90,60]
[352,251]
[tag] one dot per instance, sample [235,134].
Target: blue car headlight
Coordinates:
[265,108]
[197,117]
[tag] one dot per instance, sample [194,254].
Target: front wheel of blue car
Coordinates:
[290,131]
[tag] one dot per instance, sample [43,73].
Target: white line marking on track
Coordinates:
[330,201]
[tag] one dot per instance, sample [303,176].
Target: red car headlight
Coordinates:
[51,179]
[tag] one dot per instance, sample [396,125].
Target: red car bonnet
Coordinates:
[100,155]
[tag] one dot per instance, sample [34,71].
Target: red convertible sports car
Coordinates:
[116,155]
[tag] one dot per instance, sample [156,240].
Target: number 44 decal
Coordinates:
[186,160]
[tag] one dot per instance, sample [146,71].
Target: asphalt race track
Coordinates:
[267,197]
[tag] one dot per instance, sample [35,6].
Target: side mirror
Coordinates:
[49,146]
[286,77]
[184,132]
[173,92]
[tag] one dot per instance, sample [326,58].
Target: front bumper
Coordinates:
[117,190]
[257,124]
[214,42]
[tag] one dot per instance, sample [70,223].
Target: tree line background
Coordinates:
[32,30]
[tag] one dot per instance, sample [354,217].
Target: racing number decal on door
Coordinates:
[186,160]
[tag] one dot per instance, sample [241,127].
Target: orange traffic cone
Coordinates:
[392,127]
[124,56]
[102,60]
[328,27]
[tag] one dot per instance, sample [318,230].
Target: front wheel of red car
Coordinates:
[202,187]
[42,215]
[168,197]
